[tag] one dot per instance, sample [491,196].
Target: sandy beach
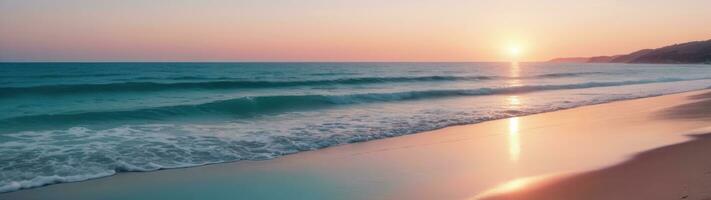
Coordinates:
[650,148]
[680,171]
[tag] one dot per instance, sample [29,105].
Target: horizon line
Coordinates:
[248,61]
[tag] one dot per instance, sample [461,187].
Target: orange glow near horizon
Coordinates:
[318,30]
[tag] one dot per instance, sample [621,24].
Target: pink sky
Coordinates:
[333,30]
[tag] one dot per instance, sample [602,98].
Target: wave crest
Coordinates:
[154,86]
[225,83]
[265,105]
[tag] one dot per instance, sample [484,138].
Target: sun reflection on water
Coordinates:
[514,74]
[513,101]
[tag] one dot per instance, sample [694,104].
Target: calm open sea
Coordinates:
[64,122]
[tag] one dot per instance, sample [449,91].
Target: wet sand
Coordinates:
[680,171]
[461,162]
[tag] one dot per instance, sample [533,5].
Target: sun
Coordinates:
[514,51]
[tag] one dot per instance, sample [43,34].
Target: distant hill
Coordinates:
[690,52]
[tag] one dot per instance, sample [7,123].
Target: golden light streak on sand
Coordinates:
[514,139]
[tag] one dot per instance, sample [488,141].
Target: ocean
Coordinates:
[66,122]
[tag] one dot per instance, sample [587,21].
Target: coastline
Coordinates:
[678,171]
[451,163]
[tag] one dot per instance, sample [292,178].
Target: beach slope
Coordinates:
[680,171]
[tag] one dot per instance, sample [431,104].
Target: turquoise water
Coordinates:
[64,122]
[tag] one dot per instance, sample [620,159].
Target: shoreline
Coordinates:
[677,171]
[379,149]
[53,180]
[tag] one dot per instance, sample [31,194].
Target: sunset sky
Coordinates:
[335,30]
